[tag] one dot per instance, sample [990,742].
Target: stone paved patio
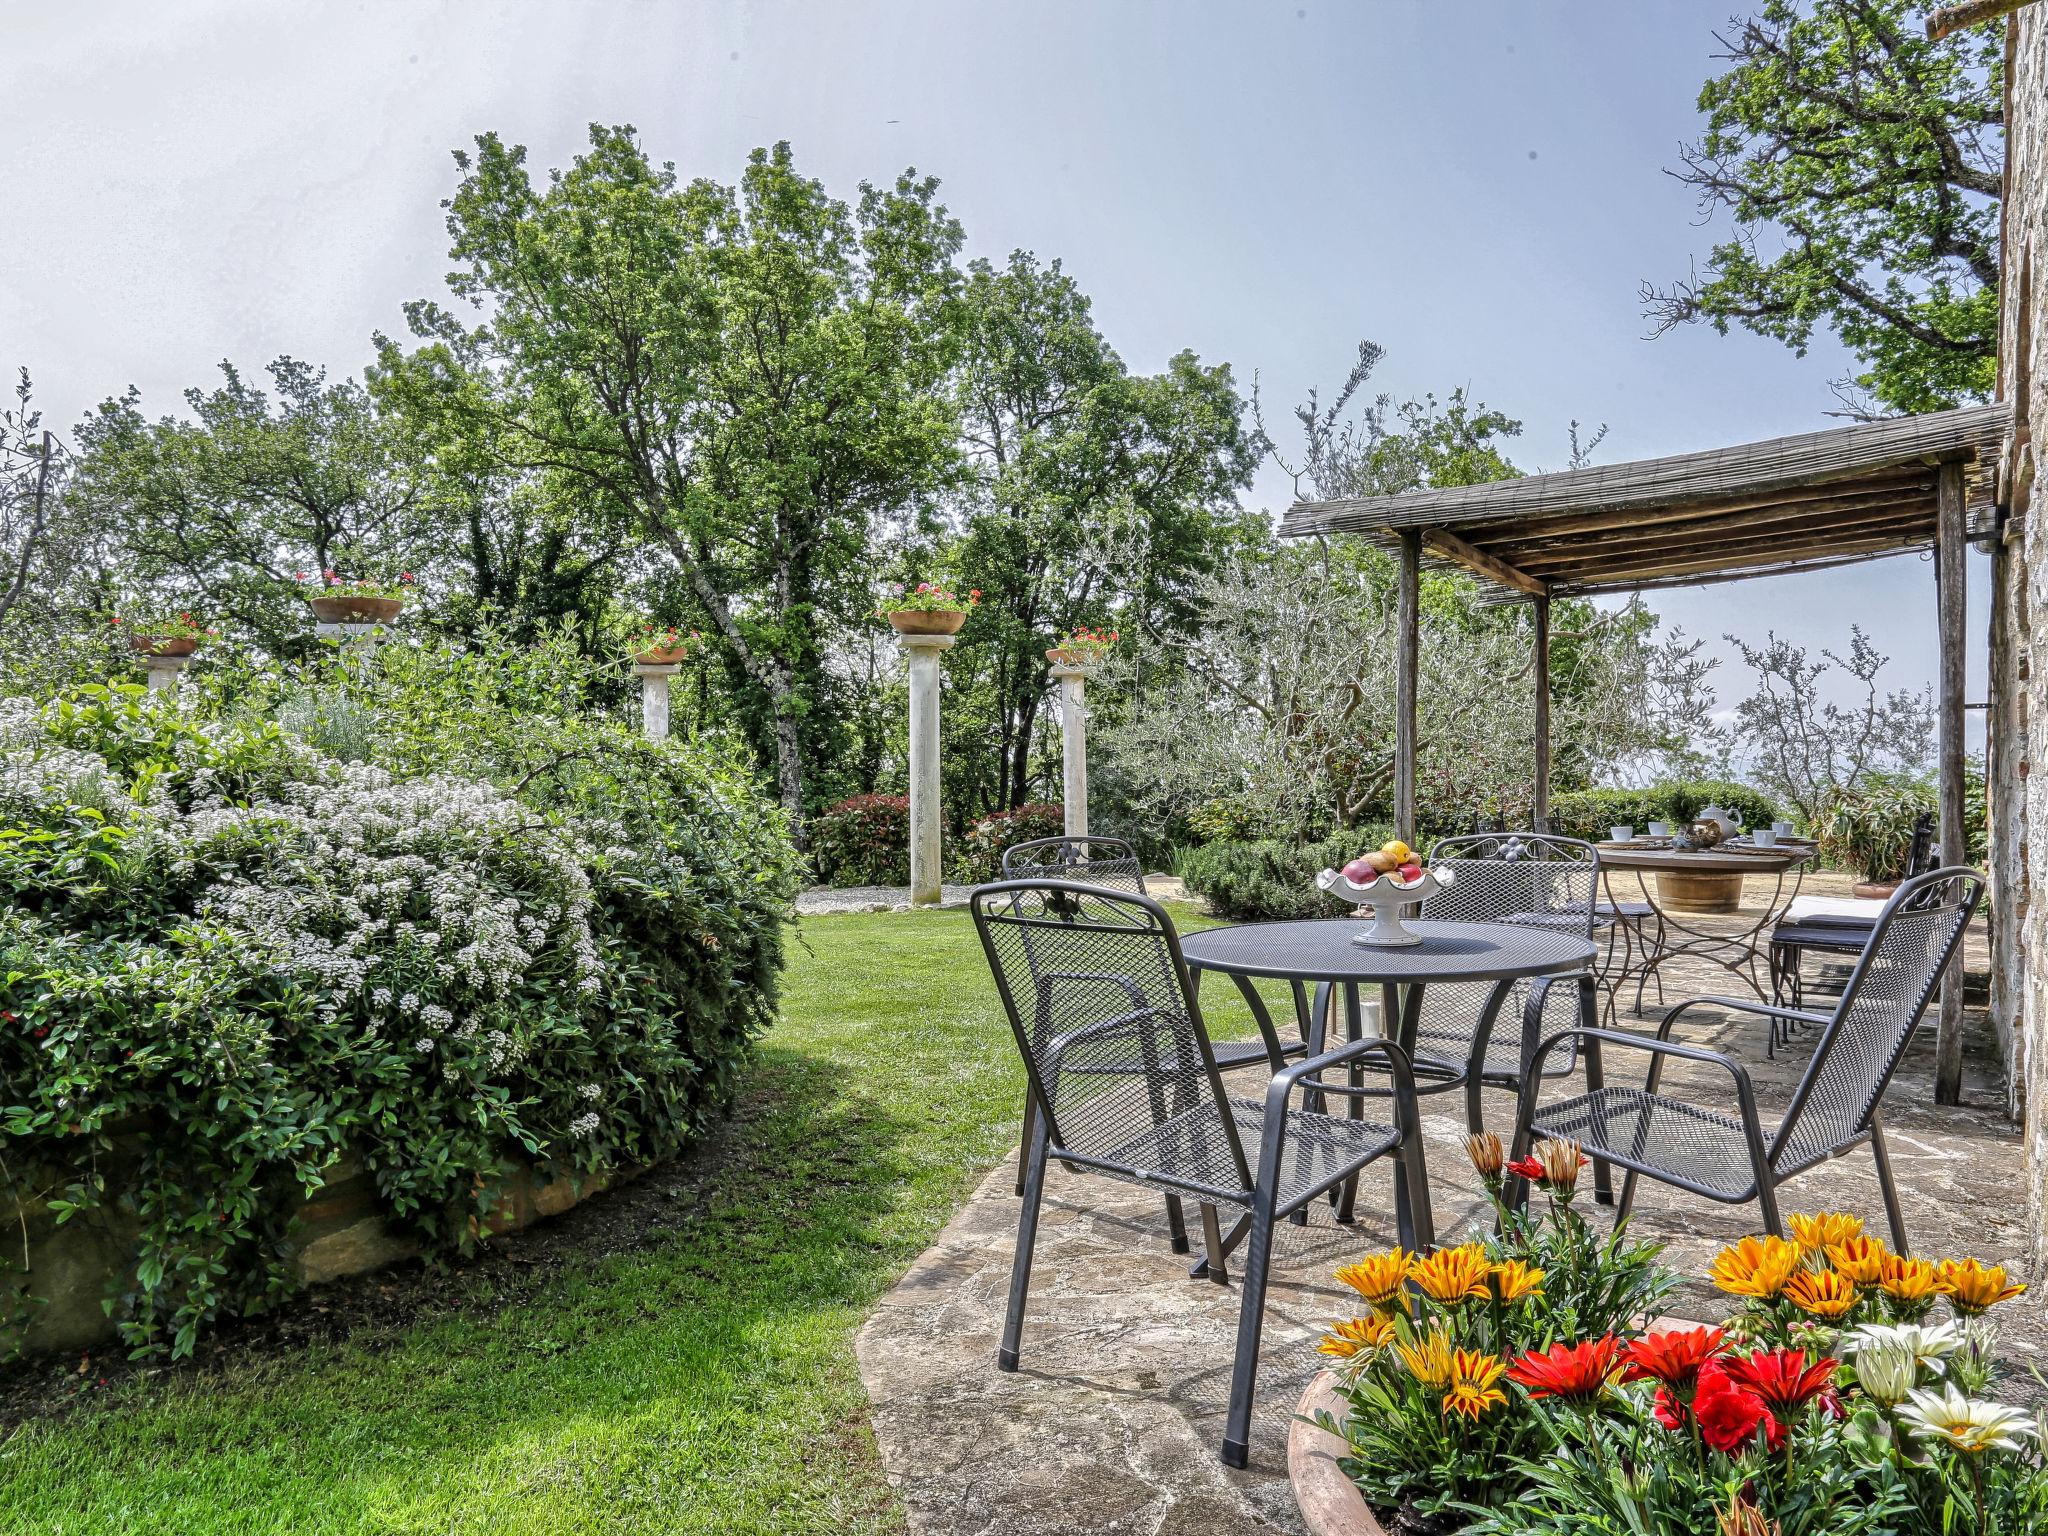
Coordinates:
[1112,1423]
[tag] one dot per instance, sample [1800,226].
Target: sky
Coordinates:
[1478,186]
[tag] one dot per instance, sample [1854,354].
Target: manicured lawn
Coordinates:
[701,1381]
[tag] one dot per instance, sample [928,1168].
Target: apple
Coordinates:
[1410,873]
[1358,872]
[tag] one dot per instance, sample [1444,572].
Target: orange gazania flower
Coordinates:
[1820,1292]
[1817,1234]
[1975,1287]
[1379,1277]
[1515,1280]
[1672,1358]
[1912,1283]
[1474,1384]
[1452,1275]
[1783,1378]
[1756,1266]
[1358,1336]
[1860,1261]
[1429,1359]
[1577,1371]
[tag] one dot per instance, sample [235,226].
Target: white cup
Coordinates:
[1660,829]
[1764,837]
[1621,834]
[1782,828]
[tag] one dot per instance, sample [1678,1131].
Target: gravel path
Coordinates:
[820,900]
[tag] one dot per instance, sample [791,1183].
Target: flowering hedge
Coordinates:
[1510,1385]
[257,955]
[863,840]
[978,851]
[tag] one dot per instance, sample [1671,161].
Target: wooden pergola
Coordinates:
[1804,503]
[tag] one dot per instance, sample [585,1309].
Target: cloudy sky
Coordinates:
[1478,186]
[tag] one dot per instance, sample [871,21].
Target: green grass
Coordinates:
[703,1382]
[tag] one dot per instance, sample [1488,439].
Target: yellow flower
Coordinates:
[1975,1287]
[1451,1275]
[1380,1277]
[1514,1280]
[1821,1293]
[1756,1266]
[1361,1335]
[1474,1383]
[1817,1234]
[1909,1281]
[1429,1359]
[1860,1260]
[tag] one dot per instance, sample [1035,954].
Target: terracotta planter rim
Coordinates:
[927,621]
[143,645]
[339,608]
[662,657]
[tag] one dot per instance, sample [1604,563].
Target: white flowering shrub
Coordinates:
[261,957]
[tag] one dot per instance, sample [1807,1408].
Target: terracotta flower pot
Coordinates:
[146,645]
[1071,656]
[356,610]
[928,621]
[662,656]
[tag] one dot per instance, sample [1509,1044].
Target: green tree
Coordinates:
[1860,164]
[750,372]
[1093,493]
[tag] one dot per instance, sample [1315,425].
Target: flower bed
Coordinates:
[1510,1386]
[272,960]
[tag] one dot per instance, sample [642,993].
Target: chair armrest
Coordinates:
[1057,1047]
[1658,1048]
[1739,1005]
[1130,987]
[1288,1078]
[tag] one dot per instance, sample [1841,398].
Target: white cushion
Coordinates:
[1849,910]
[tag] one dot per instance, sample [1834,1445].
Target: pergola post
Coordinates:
[1539,804]
[921,659]
[1407,663]
[1951,574]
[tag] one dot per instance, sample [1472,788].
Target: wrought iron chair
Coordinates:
[1730,1158]
[1524,878]
[1128,1086]
[1794,937]
[1113,863]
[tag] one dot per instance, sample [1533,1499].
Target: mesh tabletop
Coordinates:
[1320,949]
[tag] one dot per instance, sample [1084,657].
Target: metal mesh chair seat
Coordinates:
[1319,1150]
[1663,1134]
[1626,911]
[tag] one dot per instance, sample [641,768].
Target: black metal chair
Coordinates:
[1128,1086]
[1113,863]
[1525,878]
[1793,938]
[1730,1158]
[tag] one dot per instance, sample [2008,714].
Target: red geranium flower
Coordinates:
[1526,1168]
[1782,1377]
[1672,1358]
[1729,1415]
[1569,1370]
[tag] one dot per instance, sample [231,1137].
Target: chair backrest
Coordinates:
[1921,853]
[1901,964]
[1106,861]
[1098,998]
[1516,877]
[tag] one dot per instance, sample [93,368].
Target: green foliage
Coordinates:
[1869,829]
[258,954]
[1270,878]
[1588,813]
[863,840]
[1860,163]
[978,850]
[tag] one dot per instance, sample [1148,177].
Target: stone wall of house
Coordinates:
[68,1267]
[2019,698]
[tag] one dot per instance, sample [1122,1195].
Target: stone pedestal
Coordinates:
[921,658]
[164,672]
[360,634]
[1073,681]
[654,678]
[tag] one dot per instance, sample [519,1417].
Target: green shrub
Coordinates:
[1870,829]
[978,851]
[1253,881]
[863,840]
[1588,813]
[266,955]
[1684,799]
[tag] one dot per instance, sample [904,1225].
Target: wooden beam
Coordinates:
[1904,534]
[1953,18]
[1539,806]
[1519,547]
[1952,586]
[1478,561]
[1407,670]
[1601,587]
[1910,521]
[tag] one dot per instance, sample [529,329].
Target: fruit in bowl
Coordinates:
[1394,862]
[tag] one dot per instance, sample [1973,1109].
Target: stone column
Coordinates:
[363,634]
[164,672]
[654,696]
[921,657]
[1073,681]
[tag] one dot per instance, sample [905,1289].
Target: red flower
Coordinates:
[1526,1168]
[39,1031]
[1672,1358]
[12,1018]
[1569,1370]
[1728,1415]
[1782,1377]
[1669,1409]
[117,619]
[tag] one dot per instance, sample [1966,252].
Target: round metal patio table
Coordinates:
[1736,953]
[1320,950]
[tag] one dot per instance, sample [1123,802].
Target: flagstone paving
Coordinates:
[1111,1425]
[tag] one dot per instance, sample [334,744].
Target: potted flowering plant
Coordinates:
[926,609]
[357,600]
[1083,647]
[1510,1387]
[661,645]
[179,635]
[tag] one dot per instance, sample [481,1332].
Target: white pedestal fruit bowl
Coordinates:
[1386,894]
